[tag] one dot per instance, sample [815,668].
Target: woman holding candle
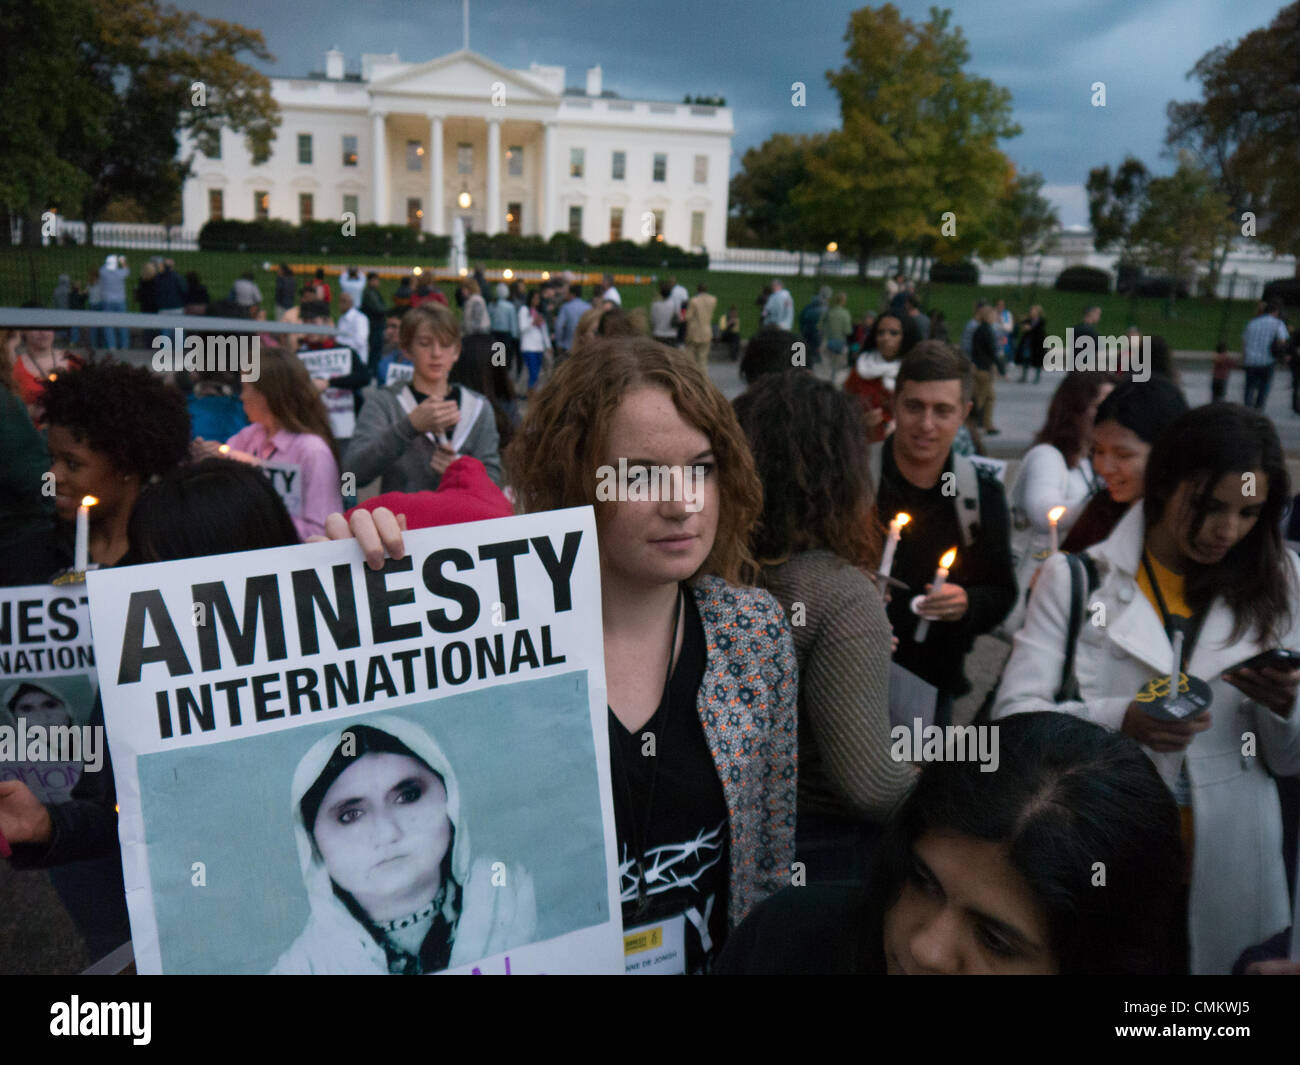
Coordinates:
[1202,557]
[39,363]
[817,543]
[112,429]
[1055,472]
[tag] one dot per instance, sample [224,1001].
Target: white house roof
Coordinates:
[462,73]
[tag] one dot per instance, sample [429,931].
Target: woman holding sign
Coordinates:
[385,856]
[700,667]
[410,432]
[1193,582]
[289,438]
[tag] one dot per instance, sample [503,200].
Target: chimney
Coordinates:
[593,81]
[334,64]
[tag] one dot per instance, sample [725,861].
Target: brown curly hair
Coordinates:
[810,446]
[553,460]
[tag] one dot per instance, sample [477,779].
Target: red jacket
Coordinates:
[465,493]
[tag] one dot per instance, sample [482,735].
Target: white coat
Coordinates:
[1238,892]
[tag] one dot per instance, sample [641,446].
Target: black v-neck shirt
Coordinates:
[686,836]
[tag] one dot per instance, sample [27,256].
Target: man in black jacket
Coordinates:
[984,354]
[920,475]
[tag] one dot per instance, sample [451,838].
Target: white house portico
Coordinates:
[461,136]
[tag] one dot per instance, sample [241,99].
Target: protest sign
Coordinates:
[327,363]
[399,371]
[326,768]
[47,689]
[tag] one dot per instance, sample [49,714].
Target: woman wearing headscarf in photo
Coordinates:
[386,858]
[32,705]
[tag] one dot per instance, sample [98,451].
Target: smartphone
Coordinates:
[1277,658]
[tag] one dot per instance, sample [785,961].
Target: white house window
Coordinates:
[261,205]
[577,162]
[305,203]
[619,168]
[701,170]
[697,229]
[349,149]
[414,212]
[575,221]
[351,204]
[414,156]
[464,158]
[659,225]
[661,167]
[515,160]
[514,219]
[615,223]
[216,205]
[216,152]
[304,148]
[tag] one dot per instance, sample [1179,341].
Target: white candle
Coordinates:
[1053,516]
[81,553]
[936,586]
[891,544]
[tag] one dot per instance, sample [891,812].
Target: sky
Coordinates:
[1048,53]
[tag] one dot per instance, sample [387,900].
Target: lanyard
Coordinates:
[641,827]
[1190,627]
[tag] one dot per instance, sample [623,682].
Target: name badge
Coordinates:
[658,948]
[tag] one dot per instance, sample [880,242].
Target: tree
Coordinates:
[918,143]
[1246,127]
[1183,222]
[761,193]
[1115,202]
[118,109]
[1028,219]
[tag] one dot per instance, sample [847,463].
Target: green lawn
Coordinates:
[1194,326]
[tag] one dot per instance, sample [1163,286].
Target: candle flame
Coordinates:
[902,519]
[54,377]
[1054,515]
[224,449]
[88,501]
[948,557]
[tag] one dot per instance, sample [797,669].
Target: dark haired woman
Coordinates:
[112,429]
[1127,423]
[1055,472]
[360,793]
[872,379]
[994,872]
[40,363]
[1200,564]
[814,539]
[477,370]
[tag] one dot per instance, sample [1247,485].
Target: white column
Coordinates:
[437,193]
[548,170]
[494,176]
[379,167]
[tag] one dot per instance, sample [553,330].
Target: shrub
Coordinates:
[1286,290]
[277,237]
[1083,279]
[962,273]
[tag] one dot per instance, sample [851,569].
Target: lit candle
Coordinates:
[81,553]
[1053,516]
[224,449]
[895,531]
[940,575]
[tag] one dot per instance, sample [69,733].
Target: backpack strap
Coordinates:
[1083,580]
[967,500]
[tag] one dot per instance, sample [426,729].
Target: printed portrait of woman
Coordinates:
[33,706]
[386,859]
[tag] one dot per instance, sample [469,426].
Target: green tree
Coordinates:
[918,142]
[108,93]
[761,192]
[1245,129]
[1115,202]
[1183,223]
[1028,219]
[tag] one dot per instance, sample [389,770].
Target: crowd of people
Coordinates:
[789,605]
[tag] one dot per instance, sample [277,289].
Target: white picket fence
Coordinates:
[116,235]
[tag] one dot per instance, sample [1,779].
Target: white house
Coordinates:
[507,150]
